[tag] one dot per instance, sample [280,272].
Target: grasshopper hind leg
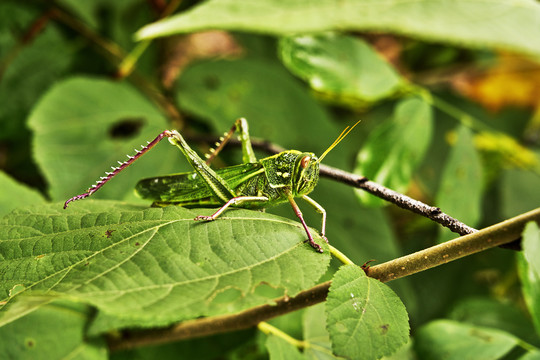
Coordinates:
[233,201]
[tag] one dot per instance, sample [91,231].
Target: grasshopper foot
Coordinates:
[314,245]
[205,218]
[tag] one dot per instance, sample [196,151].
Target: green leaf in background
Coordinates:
[519,190]
[394,150]
[529,271]
[366,320]
[15,194]
[531,355]
[342,67]
[28,71]
[451,340]
[460,191]
[204,348]
[316,335]
[154,266]
[494,23]
[83,126]
[55,331]
[279,349]
[276,105]
[497,314]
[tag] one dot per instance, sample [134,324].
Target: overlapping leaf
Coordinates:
[83,126]
[55,331]
[496,23]
[395,148]
[460,192]
[343,68]
[449,340]
[366,320]
[15,194]
[277,107]
[154,266]
[529,271]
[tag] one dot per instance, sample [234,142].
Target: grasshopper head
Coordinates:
[307,173]
[307,166]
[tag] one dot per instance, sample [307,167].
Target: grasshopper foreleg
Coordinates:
[233,201]
[321,211]
[298,213]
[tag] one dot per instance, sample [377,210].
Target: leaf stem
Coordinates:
[272,330]
[340,256]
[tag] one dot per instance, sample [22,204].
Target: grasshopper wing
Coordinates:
[190,189]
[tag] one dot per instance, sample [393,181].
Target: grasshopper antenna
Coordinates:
[122,165]
[341,136]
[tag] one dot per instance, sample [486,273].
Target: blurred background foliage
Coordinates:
[448,94]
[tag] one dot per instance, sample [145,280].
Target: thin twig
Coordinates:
[501,233]
[361,182]
[398,199]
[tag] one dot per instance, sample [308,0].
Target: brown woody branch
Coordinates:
[496,235]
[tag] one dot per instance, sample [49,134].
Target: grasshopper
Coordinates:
[253,184]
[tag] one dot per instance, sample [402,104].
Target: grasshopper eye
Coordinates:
[305,161]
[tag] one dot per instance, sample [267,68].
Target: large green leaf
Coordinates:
[15,194]
[449,340]
[276,105]
[495,23]
[344,68]
[83,126]
[366,320]
[149,267]
[395,148]
[55,331]
[460,191]
[529,271]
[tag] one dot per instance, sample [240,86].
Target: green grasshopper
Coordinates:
[253,184]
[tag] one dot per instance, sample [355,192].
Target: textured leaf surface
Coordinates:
[497,23]
[153,266]
[366,319]
[15,194]
[395,148]
[83,126]
[460,192]
[450,340]
[344,68]
[55,331]
[529,271]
